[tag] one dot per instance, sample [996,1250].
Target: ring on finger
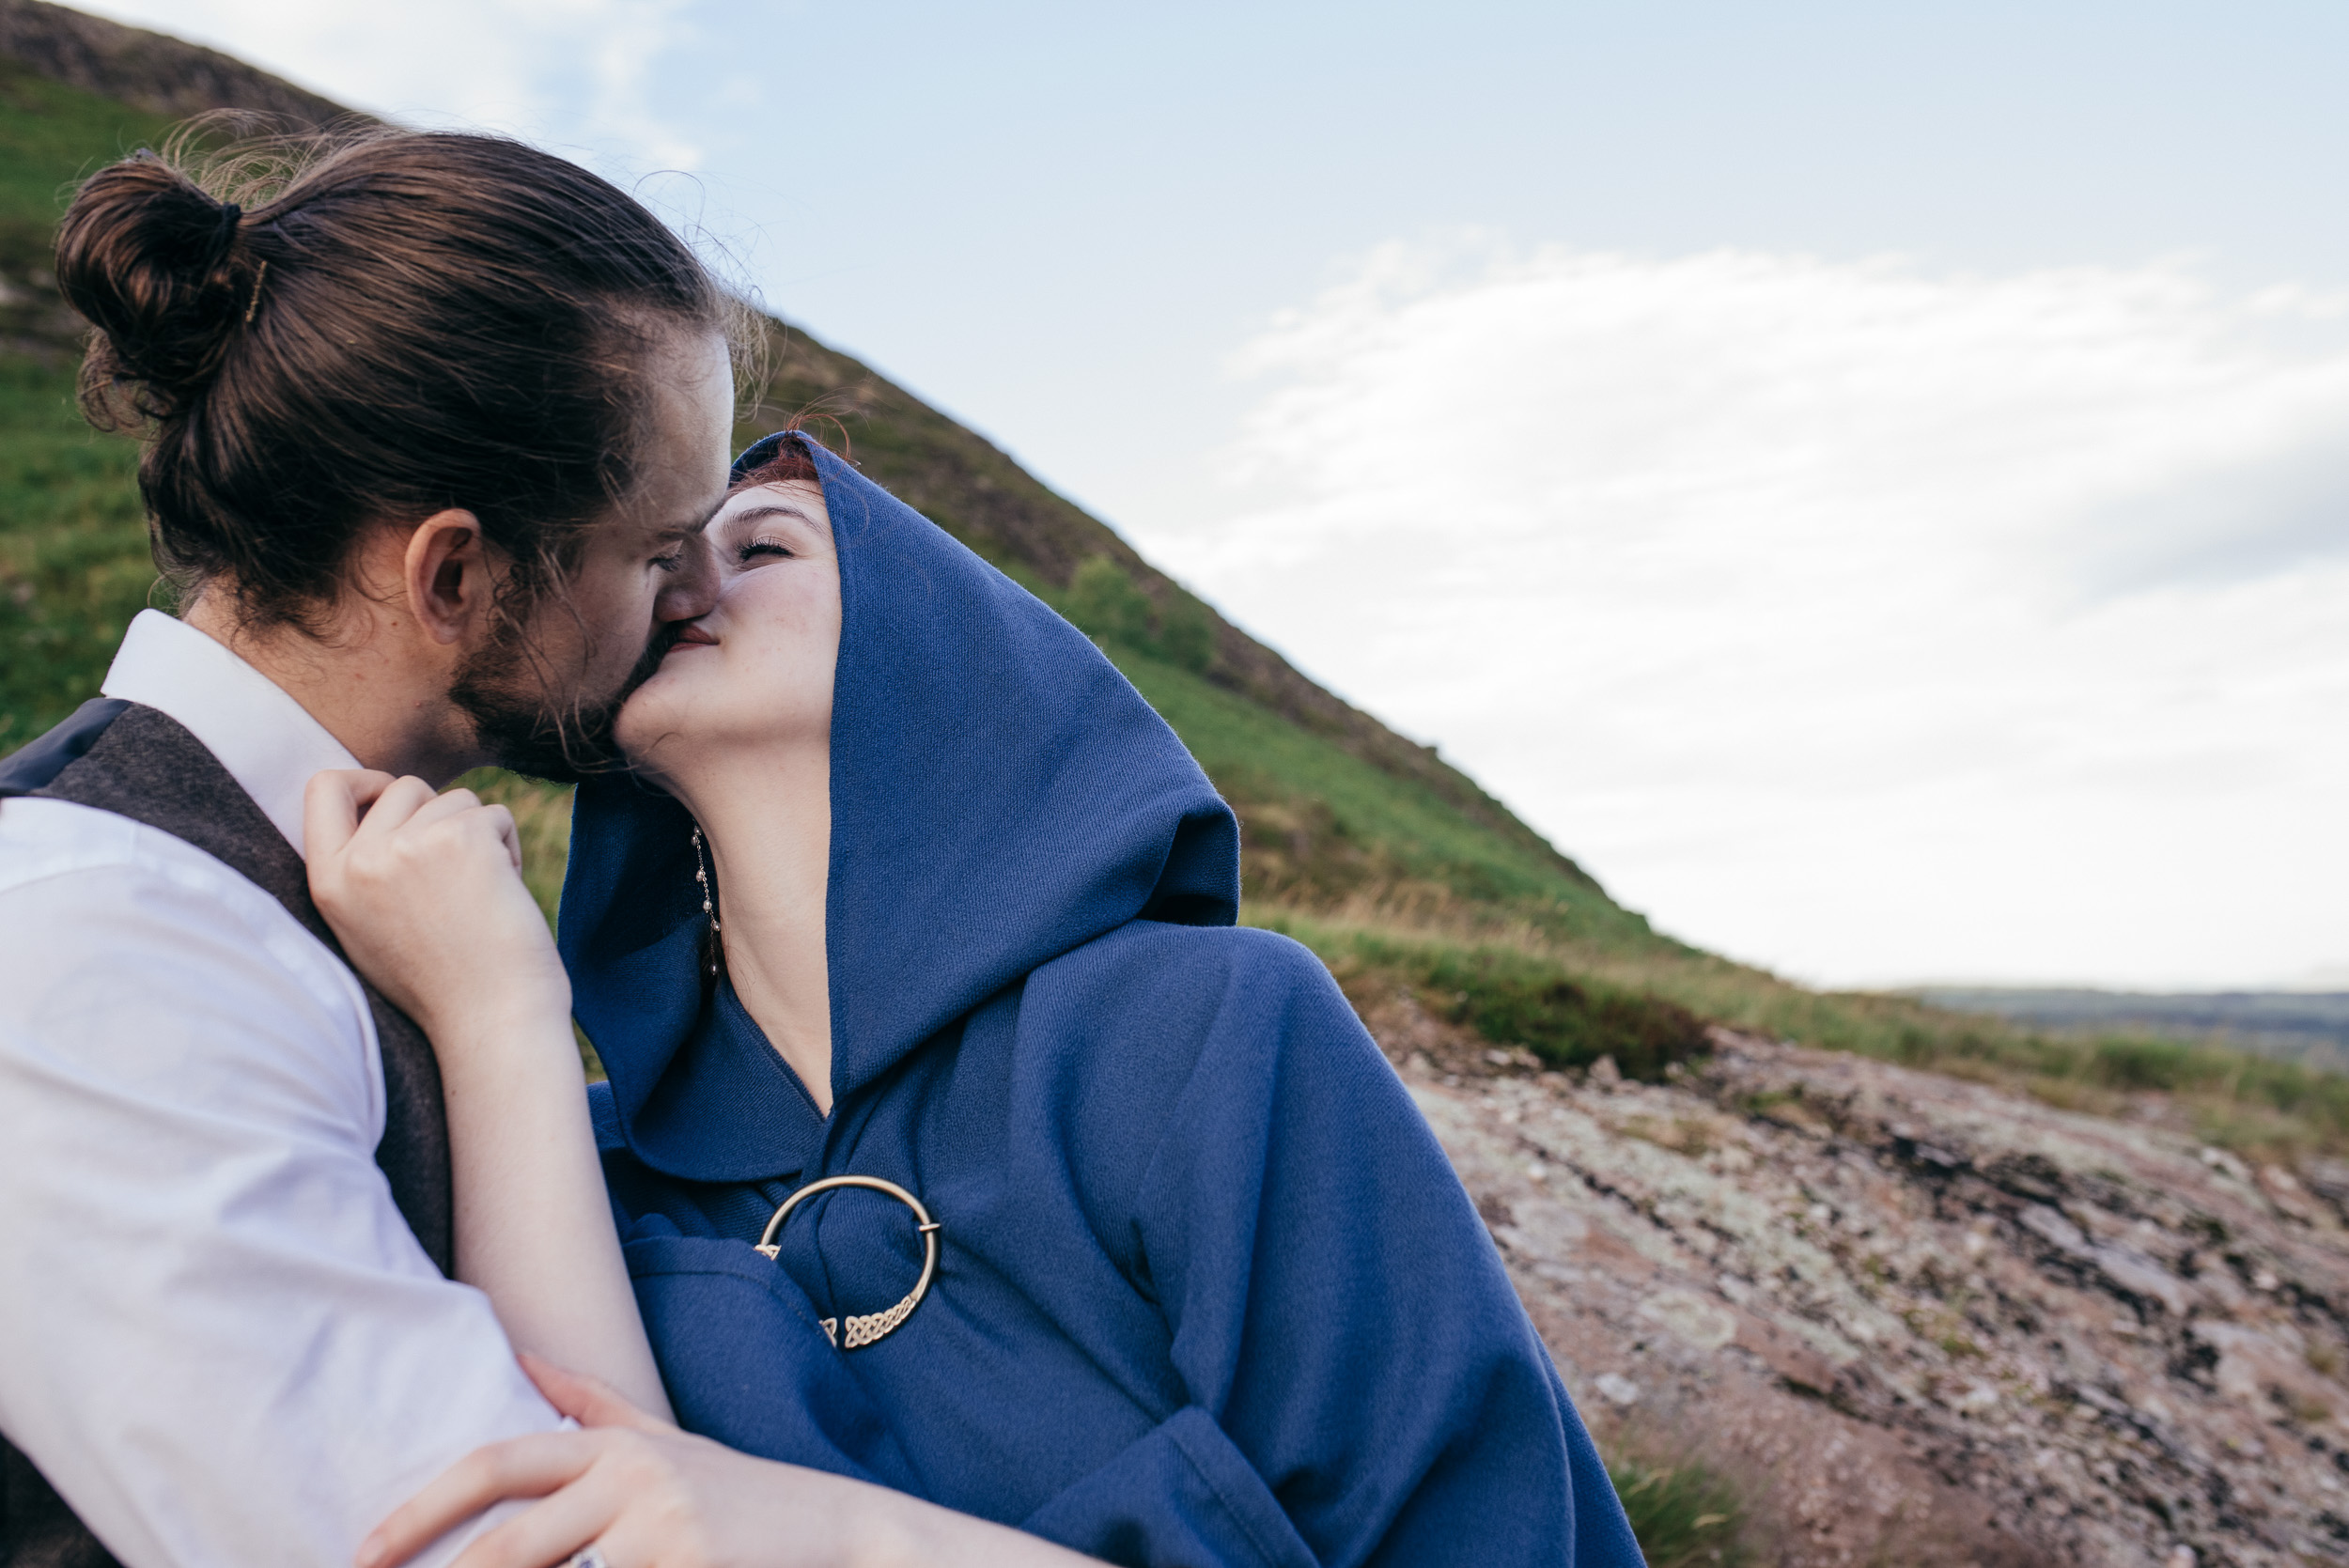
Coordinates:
[590,1556]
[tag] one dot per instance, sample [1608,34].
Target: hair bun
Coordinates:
[151,261]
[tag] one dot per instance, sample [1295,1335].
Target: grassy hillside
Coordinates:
[73,562]
[1399,870]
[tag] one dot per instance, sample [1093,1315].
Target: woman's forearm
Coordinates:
[881,1528]
[534,1226]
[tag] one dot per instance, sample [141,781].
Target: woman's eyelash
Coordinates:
[763,547]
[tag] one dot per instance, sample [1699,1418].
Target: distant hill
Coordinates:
[2306,1026]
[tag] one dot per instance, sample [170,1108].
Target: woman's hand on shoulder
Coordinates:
[646,1494]
[426,892]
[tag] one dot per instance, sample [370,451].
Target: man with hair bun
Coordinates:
[432,423]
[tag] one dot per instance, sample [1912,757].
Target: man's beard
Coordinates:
[564,744]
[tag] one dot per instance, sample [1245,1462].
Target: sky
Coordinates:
[1869,481]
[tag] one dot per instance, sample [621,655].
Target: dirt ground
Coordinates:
[1918,1320]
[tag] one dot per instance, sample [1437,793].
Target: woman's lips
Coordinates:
[694,634]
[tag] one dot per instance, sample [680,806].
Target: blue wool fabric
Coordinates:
[1208,1291]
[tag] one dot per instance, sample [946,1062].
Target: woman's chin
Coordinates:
[643,720]
[651,728]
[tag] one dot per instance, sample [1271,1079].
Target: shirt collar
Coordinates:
[269,743]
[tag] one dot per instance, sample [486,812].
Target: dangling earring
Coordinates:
[714,948]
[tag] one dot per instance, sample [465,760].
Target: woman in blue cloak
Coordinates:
[959,1143]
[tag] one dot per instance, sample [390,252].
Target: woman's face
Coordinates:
[757,670]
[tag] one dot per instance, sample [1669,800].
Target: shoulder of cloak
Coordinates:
[1158,1034]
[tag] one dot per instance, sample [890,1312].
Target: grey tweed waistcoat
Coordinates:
[138,763]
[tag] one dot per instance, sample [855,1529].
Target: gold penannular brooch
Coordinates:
[864,1331]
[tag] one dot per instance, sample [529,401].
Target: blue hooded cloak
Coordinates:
[1209,1293]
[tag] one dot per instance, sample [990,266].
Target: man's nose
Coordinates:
[693,588]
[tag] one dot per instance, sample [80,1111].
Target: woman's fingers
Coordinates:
[332,802]
[402,813]
[397,838]
[519,1467]
[448,804]
[398,801]
[511,835]
[589,1401]
[426,895]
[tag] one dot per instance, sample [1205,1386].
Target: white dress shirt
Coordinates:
[218,1339]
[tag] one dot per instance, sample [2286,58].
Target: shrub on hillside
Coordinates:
[1513,998]
[1186,632]
[1106,606]
[1567,1023]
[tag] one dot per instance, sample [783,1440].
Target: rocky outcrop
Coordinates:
[1924,1320]
[152,72]
[164,78]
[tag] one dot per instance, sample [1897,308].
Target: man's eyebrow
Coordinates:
[691,526]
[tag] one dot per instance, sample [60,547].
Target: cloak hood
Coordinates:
[999,796]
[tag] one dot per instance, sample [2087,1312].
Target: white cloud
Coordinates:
[576,73]
[1868,623]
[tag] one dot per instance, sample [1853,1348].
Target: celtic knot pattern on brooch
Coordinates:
[868,1328]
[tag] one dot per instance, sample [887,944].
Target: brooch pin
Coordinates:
[871,1326]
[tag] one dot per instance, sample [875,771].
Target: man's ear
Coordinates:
[447,573]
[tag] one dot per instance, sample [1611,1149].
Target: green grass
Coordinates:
[1484,975]
[1684,1515]
[1509,996]
[51,136]
[1324,829]
[74,559]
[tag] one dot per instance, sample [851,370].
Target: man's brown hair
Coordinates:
[323,334]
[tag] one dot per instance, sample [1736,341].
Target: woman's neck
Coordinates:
[768,817]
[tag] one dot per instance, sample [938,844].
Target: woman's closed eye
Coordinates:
[755,549]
